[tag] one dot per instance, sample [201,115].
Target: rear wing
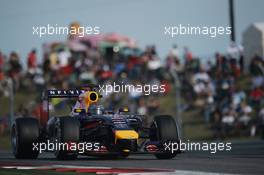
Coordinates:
[71,93]
[59,93]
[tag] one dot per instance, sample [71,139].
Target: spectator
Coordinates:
[216,124]
[187,55]
[15,69]
[142,110]
[2,62]
[257,81]
[15,65]
[228,122]
[261,119]
[256,95]
[32,60]
[238,97]
[174,52]
[256,66]
[241,62]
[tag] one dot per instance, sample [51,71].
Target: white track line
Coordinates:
[177,172]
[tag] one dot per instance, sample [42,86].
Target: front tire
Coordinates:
[25,132]
[67,131]
[164,129]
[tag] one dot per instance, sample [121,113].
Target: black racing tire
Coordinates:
[164,129]
[67,130]
[25,132]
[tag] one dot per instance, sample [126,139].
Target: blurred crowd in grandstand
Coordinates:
[217,88]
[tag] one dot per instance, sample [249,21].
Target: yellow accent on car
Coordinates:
[78,110]
[125,134]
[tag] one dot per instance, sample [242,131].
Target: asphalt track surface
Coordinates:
[244,158]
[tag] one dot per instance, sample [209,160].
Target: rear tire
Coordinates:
[67,130]
[164,129]
[25,132]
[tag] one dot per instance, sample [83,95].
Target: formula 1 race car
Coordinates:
[114,134]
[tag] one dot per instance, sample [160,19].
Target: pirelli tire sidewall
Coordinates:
[67,130]
[164,129]
[24,133]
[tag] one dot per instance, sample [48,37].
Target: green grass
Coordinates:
[194,127]
[5,142]
[20,98]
